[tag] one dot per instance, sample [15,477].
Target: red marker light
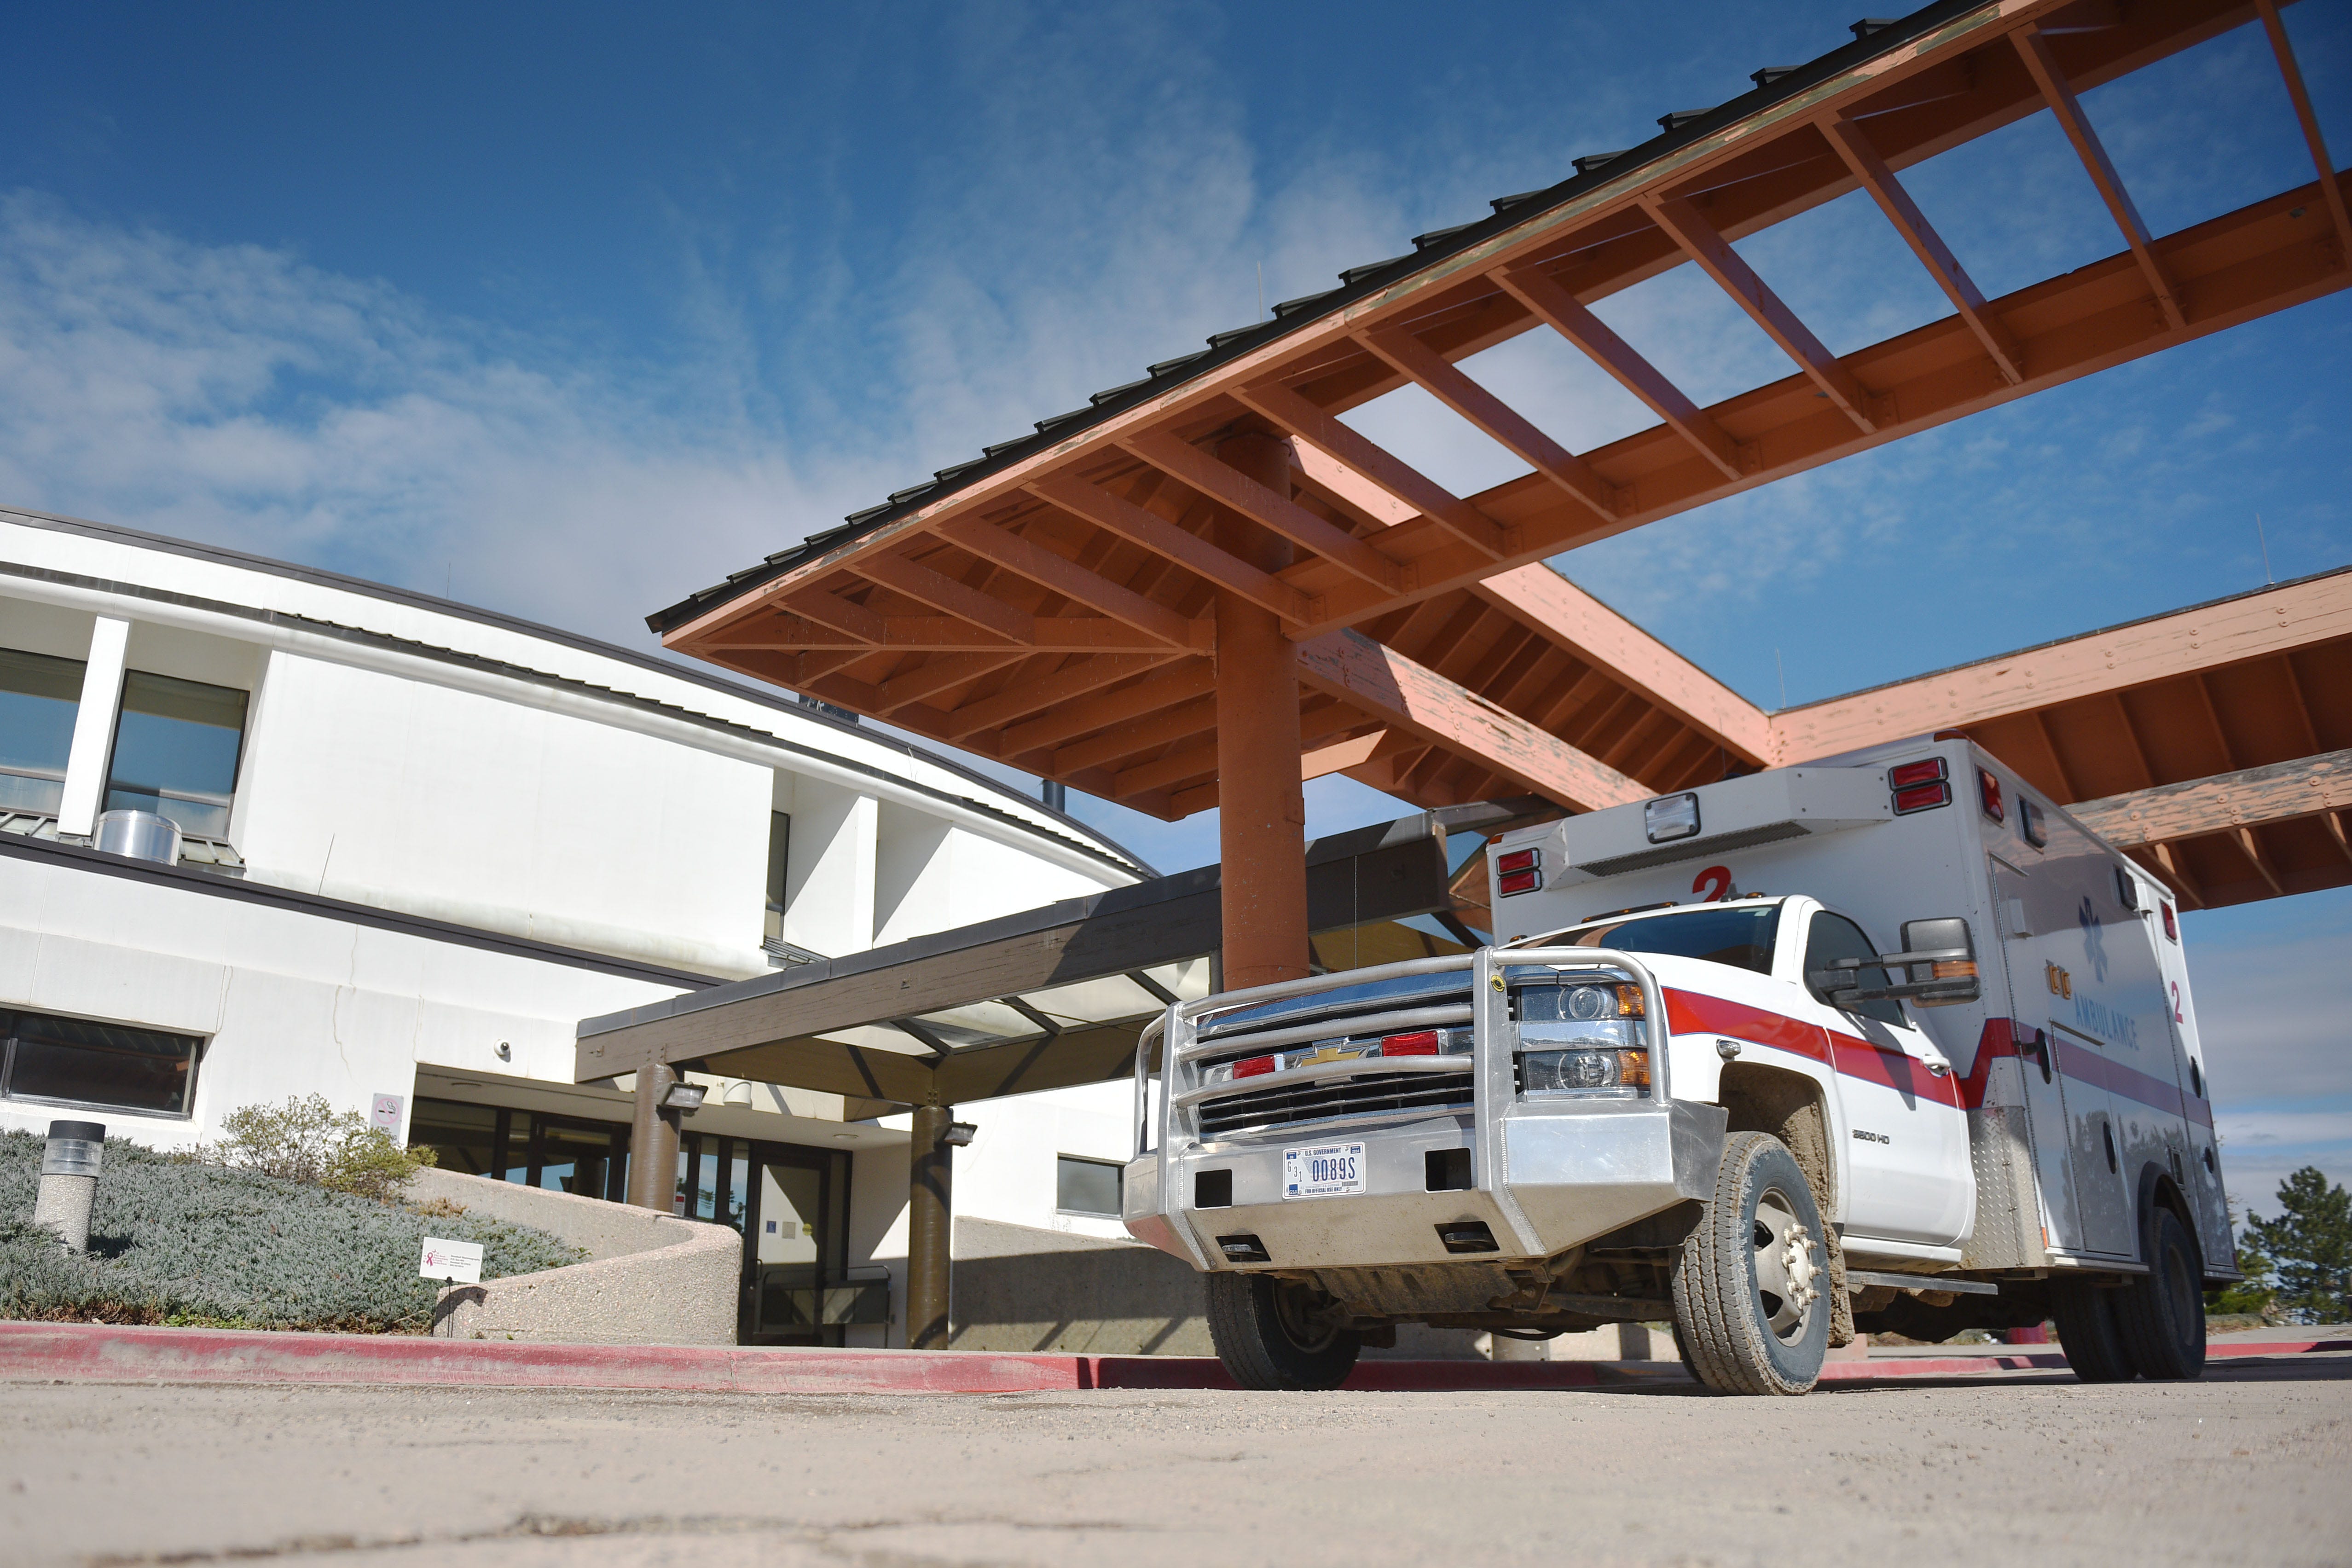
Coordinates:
[1921,797]
[1421,1043]
[1256,1067]
[1988,791]
[1519,860]
[1920,772]
[2171,926]
[1521,870]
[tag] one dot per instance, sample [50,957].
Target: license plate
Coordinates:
[1324,1170]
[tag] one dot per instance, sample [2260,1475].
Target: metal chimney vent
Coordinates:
[140,836]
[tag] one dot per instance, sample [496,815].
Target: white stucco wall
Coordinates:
[291,1003]
[455,805]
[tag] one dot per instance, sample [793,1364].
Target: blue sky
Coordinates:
[576,307]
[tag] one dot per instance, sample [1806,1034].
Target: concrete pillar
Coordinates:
[1261,815]
[931,1220]
[653,1142]
[93,736]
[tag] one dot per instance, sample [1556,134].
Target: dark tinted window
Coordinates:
[1833,938]
[1086,1187]
[175,750]
[98,1064]
[38,698]
[1720,934]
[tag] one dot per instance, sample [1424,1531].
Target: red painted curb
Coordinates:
[101,1353]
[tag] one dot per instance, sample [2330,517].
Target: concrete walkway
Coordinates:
[2247,1466]
[89,1352]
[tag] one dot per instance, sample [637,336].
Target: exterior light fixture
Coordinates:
[1670,817]
[959,1134]
[684,1097]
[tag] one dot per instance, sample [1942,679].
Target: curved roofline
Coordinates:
[1872,36]
[763,698]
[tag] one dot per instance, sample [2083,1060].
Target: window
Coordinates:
[1833,938]
[1720,934]
[1086,1187]
[105,1066]
[463,1139]
[175,751]
[38,698]
[780,842]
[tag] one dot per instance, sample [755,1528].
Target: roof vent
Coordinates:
[139,835]
[1771,73]
[1591,160]
[1682,117]
[1869,25]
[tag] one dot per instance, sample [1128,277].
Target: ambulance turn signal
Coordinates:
[1521,870]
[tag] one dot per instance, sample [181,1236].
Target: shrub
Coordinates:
[309,1140]
[175,1240]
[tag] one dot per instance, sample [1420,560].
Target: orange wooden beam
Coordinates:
[1688,228]
[1853,144]
[2330,190]
[1118,515]
[1219,481]
[1387,687]
[2052,80]
[1443,381]
[2251,625]
[1565,314]
[1376,465]
[1568,618]
[1068,578]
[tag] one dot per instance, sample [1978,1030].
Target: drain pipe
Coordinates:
[69,1181]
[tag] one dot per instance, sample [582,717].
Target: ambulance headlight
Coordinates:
[1670,817]
[1584,1070]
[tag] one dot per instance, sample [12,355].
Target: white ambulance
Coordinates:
[1884,1043]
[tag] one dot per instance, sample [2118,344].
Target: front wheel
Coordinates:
[1271,1334]
[1750,1305]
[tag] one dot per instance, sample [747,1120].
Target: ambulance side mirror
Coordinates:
[1947,954]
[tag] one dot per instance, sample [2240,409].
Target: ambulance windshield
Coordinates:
[1737,934]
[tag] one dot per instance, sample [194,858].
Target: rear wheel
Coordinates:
[2161,1317]
[2087,1331]
[1751,1307]
[1272,1333]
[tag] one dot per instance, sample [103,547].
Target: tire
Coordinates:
[2161,1316]
[1265,1334]
[1751,1287]
[2087,1331]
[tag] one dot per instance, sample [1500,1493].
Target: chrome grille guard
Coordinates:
[1174,1036]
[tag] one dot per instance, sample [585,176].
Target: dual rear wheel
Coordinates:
[2152,1327]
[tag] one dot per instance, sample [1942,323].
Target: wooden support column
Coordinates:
[1262,821]
[653,1142]
[931,1220]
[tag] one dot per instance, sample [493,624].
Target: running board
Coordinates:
[1922,1282]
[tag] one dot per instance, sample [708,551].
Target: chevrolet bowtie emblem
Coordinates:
[1331,1051]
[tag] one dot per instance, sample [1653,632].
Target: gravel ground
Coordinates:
[2254,1464]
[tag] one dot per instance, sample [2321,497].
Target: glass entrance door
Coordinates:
[795,1246]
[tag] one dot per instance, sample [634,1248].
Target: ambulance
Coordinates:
[1886,1042]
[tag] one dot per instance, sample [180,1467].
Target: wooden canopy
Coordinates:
[1048,604]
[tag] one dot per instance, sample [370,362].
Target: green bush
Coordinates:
[310,1141]
[175,1240]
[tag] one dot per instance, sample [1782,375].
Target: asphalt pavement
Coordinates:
[2253,1464]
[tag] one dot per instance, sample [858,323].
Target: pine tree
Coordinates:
[2310,1246]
